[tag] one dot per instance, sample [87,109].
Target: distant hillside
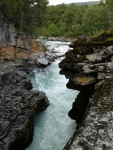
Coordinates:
[87,3]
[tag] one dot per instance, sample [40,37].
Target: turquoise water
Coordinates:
[53,127]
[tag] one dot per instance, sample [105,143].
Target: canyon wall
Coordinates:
[89,68]
[16,45]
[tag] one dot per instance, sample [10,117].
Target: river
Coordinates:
[53,127]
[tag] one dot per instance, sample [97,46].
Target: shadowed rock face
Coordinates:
[18,105]
[89,66]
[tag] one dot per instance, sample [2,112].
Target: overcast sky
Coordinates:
[55,2]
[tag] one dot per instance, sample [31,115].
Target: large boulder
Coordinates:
[18,105]
[42,60]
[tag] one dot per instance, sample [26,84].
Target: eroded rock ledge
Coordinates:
[18,105]
[89,68]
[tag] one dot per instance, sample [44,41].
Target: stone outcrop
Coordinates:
[17,45]
[18,105]
[89,68]
[96,130]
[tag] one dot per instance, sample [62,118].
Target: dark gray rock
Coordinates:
[18,105]
[96,130]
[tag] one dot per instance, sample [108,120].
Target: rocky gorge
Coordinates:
[89,68]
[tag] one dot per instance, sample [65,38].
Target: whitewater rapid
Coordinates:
[53,127]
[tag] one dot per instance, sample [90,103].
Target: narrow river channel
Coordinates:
[53,127]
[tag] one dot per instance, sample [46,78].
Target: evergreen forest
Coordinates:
[69,20]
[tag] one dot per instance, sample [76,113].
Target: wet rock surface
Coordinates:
[18,105]
[89,68]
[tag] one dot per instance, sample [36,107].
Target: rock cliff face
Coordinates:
[18,105]
[16,45]
[89,68]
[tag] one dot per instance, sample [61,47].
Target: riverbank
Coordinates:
[96,129]
[18,105]
[89,68]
